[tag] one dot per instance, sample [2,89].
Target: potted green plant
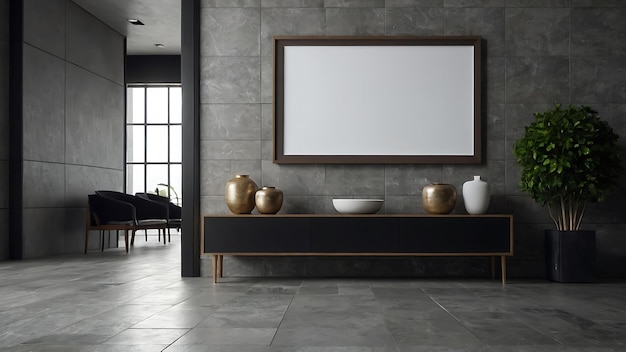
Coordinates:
[569,158]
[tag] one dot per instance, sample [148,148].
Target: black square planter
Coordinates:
[570,255]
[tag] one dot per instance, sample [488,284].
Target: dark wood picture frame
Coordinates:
[439,52]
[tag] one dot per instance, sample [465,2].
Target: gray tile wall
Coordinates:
[73,122]
[535,53]
[4,129]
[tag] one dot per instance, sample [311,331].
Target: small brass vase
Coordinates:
[239,194]
[439,198]
[268,200]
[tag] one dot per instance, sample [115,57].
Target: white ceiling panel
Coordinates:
[161,20]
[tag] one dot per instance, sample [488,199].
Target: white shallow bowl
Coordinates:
[357,206]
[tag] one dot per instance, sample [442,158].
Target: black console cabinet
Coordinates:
[358,235]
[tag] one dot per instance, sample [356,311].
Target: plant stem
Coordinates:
[571,216]
[580,217]
[575,214]
[556,222]
[563,215]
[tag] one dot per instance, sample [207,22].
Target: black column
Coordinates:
[190,79]
[16,33]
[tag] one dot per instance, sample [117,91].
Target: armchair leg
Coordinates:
[86,240]
[126,238]
[145,232]
[169,236]
[102,240]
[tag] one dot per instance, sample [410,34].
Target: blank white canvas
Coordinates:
[379,100]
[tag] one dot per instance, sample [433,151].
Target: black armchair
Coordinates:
[174,219]
[149,214]
[104,214]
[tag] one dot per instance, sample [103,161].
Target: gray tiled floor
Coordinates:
[112,301]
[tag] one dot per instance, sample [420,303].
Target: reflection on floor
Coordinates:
[113,301]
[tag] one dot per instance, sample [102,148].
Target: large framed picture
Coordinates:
[377,99]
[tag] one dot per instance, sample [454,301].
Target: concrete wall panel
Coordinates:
[93,45]
[44,232]
[43,106]
[81,181]
[44,25]
[44,185]
[94,121]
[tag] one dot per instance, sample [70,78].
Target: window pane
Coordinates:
[157,105]
[176,144]
[136,104]
[176,105]
[151,138]
[156,174]
[135,144]
[176,181]
[135,179]
[156,144]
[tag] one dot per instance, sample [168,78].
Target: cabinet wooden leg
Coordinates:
[493,267]
[221,265]
[214,267]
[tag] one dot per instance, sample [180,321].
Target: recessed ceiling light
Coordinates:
[159,45]
[135,21]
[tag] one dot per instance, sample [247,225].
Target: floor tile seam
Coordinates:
[7,323]
[150,316]
[137,296]
[38,335]
[393,338]
[124,330]
[460,322]
[24,319]
[175,340]
[285,313]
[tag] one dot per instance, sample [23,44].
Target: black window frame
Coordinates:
[145,125]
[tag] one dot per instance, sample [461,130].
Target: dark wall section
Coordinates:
[69,130]
[153,69]
[5,244]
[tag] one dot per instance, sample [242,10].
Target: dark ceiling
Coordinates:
[161,20]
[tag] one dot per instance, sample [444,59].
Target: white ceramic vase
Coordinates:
[476,195]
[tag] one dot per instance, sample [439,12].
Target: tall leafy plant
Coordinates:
[569,157]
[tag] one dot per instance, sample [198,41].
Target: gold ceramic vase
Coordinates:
[268,200]
[439,198]
[240,192]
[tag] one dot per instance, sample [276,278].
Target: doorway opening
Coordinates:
[154,141]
